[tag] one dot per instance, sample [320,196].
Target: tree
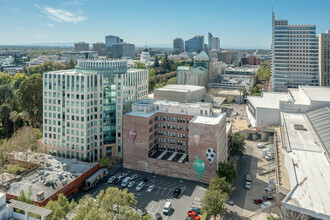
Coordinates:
[61,207]
[139,65]
[105,162]
[237,147]
[264,71]
[26,197]
[18,79]
[227,170]
[5,79]
[156,62]
[166,63]
[30,95]
[25,117]
[214,200]
[6,123]
[71,64]
[13,116]
[230,99]
[59,66]
[110,204]
[6,91]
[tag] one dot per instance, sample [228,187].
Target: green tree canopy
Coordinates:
[6,91]
[214,200]
[237,146]
[139,65]
[264,71]
[166,63]
[61,207]
[227,170]
[5,79]
[156,62]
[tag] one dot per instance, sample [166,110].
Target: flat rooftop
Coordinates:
[317,93]
[181,88]
[230,92]
[209,120]
[269,99]
[312,172]
[53,174]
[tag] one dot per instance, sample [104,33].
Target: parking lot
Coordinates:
[154,201]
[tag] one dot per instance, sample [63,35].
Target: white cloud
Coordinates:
[50,25]
[72,3]
[62,15]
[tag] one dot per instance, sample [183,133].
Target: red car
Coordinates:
[258,201]
[193,215]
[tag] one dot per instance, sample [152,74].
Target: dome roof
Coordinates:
[145,49]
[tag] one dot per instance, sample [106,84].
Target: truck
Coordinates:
[91,181]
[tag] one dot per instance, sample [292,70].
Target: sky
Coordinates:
[238,23]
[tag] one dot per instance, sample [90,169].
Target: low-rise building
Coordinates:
[265,109]
[171,138]
[76,55]
[231,82]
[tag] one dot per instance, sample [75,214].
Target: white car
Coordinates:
[140,186]
[266,204]
[151,187]
[248,185]
[260,145]
[111,179]
[131,184]
[126,181]
[122,175]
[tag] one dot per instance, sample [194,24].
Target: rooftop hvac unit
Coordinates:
[40,196]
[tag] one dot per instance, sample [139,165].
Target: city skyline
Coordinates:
[152,24]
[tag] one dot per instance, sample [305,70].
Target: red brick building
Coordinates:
[165,138]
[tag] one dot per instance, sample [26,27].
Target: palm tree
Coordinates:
[24,116]
[13,116]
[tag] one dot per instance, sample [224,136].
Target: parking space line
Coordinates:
[168,192]
[158,191]
[140,205]
[163,191]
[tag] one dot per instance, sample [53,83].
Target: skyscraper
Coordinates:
[178,46]
[81,46]
[195,44]
[123,50]
[294,53]
[210,40]
[110,40]
[83,108]
[215,43]
[324,58]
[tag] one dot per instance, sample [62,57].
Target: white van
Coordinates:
[167,208]
[126,181]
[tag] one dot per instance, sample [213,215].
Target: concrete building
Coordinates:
[324,58]
[215,43]
[110,40]
[8,211]
[81,46]
[294,53]
[195,44]
[166,138]
[265,109]
[123,50]
[178,46]
[99,47]
[180,93]
[306,148]
[225,56]
[86,122]
[76,55]
[251,60]
[231,82]
[145,55]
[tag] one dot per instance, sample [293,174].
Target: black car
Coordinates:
[145,179]
[176,193]
[143,212]
[158,216]
[116,181]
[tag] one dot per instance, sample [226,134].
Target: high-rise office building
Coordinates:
[83,108]
[215,43]
[81,46]
[99,47]
[294,52]
[195,44]
[210,36]
[324,58]
[123,50]
[178,46]
[110,40]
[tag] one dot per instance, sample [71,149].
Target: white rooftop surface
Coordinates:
[209,120]
[312,168]
[298,97]
[269,99]
[180,88]
[317,93]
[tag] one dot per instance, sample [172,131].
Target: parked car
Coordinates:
[197,210]
[177,193]
[143,212]
[260,145]
[258,201]
[150,188]
[116,181]
[111,179]
[193,215]
[134,177]
[230,202]
[266,204]
[126,181]
[158,216]
[267,197]
[122,175]
[131,184]
[167,208]
[248,185]
[140,186]
[145,179]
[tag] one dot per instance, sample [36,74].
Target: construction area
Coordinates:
[49,177]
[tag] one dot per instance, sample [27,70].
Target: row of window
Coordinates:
[171,141]
[169,148]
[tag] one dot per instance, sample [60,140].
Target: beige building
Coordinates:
[324,58]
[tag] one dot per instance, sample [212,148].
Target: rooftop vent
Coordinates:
[299,127]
